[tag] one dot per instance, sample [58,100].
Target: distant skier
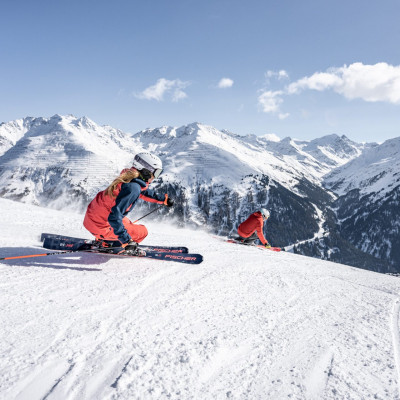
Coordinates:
[252,228]
[106,215]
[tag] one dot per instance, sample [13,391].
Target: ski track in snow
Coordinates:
[396,337]
[244,324]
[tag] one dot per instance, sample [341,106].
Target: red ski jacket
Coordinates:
[252,224]
[105,213]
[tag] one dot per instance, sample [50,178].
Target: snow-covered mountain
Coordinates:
[376,171]
[369,202]
[319,156]
[214,153]
[12,131]
[60,161]
[247,323]
[196,150]
[217,178]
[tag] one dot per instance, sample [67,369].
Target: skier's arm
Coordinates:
[260,234]
[129,194]
[151,197]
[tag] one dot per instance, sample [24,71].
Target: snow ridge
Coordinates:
[86,152]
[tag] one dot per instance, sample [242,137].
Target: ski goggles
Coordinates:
[157,172]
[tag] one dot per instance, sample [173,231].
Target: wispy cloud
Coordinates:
[225,83]
[164,87]
[282,74]
[283,115]
[269,101]
[379,82]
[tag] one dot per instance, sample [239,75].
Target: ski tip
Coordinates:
[275,249]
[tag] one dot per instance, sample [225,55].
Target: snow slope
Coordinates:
[245,324]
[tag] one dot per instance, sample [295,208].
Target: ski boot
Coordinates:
[104,245]
[132,249]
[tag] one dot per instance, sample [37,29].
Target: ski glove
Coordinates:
[168,202]
[267,246]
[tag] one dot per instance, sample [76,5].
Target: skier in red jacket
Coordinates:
[252,228]
[106,215]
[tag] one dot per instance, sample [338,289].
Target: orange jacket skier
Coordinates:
[252,228]
[106,215]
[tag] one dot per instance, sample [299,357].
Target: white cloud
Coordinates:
[165,87]
[283,115]
[270,101]
[379,82]
[319,81]
[225,83]
[178,95]
[282,74]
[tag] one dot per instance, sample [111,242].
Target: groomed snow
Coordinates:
[247,323]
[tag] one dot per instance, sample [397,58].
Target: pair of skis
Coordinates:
[165,253]
[68,244]
[255,245]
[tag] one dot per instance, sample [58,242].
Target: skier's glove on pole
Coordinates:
[168,202]
[267,245]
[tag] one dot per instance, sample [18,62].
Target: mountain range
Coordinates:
[330,198]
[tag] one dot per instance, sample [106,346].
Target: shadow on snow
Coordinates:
[55,261]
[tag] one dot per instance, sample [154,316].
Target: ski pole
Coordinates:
[36,255]
[157,208]
[53,254]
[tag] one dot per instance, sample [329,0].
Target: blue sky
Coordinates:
[293,68]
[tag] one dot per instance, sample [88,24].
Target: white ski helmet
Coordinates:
[265,213]
[149,161]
